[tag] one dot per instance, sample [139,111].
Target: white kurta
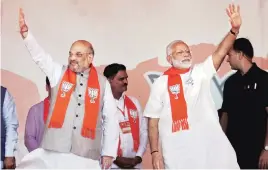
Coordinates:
[204,145]
[44,159]
[127,139]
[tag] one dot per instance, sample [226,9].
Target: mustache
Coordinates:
[73,62]
[186,60]
[125,84]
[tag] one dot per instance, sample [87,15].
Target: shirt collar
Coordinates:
[121,98]
[252,71]
[84,73]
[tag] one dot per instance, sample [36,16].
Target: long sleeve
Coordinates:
[43,60]
[30,138]
[207,67]
[143,131]
[11,123]
[110,124]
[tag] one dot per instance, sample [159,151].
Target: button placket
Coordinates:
[78,109]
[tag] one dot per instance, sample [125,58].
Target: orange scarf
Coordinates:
[46,108]
[134,125]
[92,101]
[177,100]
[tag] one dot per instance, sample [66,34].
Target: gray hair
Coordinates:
[170,46]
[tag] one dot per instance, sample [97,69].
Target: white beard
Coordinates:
[181,64]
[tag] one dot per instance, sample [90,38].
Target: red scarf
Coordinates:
[134,125]
[92,101]
[177,100]
[46,109]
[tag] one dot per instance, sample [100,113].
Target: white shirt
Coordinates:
[127,139]
[12,124]
[53,71]
[204,145]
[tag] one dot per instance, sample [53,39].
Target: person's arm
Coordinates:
[266,137]
[263,160]
[153,134]
[143,132]
[40,57]
[30,140]
[225,105]
[152,111]
[110,127]
[11,125]
[226,44]
[224,121]
[266,108]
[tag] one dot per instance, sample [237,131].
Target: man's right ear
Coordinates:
[169,59]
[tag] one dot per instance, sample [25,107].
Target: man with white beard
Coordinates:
[182,113]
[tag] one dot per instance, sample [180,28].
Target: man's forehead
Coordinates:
[77,49]
[231,51]
[80,46]
[180,46]
[121,74]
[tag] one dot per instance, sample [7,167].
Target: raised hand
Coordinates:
[234,16]
[22,24]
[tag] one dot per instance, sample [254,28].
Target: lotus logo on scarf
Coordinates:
[133,114]
[175,89]
[93,94]
[65,87]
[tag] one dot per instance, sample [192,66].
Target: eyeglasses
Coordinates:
[78,54]
[180,53]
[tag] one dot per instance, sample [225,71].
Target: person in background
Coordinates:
[9,126]
[36,120]
[245,107]
[133,133]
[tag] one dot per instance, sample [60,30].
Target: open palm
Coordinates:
[234,16]
[22,24]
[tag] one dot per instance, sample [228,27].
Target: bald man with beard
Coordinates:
[81,130]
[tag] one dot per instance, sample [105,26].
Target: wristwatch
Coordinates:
[234,33]
[266,148]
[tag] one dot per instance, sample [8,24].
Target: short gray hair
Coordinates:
[170,45]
